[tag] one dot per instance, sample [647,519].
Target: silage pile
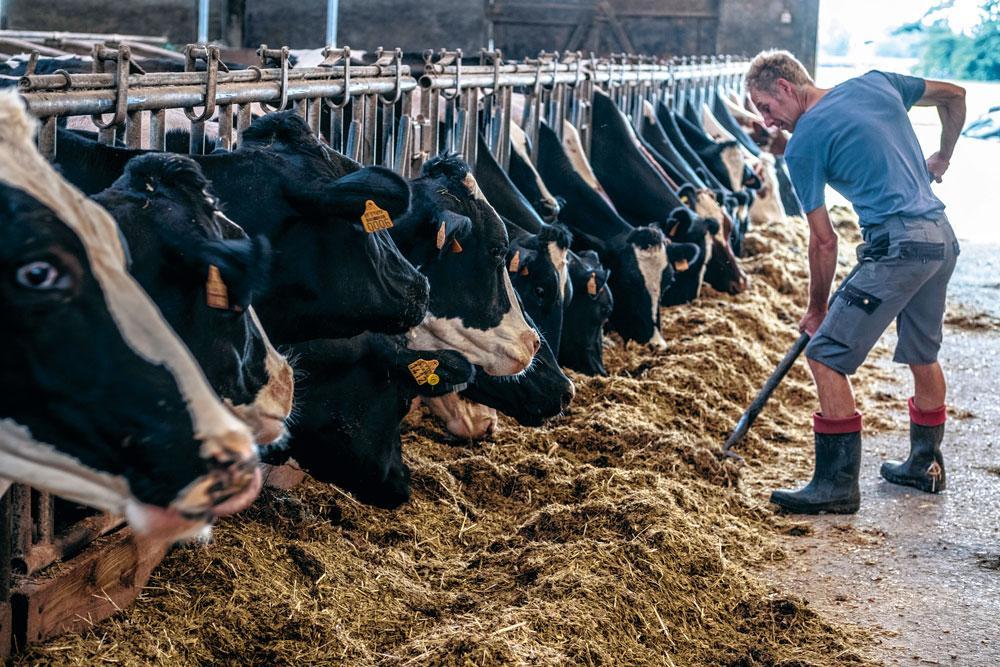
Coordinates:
[614,535]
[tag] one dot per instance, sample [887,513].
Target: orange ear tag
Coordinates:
[592,285]
[442,232]
[515,262]
[456,247]
[681,265]
[524,271]
[375,218]
[673,230]
[422,371]
[216,293]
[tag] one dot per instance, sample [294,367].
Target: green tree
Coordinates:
[949,54]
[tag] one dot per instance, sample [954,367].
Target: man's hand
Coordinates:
[811,320]
[937,164]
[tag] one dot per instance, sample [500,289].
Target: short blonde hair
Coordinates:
[769,66]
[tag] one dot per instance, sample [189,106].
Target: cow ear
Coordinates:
[678,223]
[518,259]
[450,231]
[348,197]
[682,255]
[235,270]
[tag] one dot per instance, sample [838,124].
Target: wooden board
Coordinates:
[282,477]
[104,579]
[6,631]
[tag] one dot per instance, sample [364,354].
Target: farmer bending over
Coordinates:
[857,138]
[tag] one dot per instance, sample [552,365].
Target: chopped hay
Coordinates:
[612,535]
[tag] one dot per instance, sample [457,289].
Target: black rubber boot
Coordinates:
[924,469]
[834,486]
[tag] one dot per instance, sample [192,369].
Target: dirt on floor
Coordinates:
[613,535]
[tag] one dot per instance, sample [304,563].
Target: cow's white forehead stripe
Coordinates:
[139,321]
[557,256]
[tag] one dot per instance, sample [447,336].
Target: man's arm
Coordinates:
[950,102]
[822,267]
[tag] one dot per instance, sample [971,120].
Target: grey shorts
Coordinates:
[904,276]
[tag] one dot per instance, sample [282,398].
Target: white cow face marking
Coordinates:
[732,158]
[652,261]
[506,349]
[558,257]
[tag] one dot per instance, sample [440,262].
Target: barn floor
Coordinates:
[925,569]
[613,535]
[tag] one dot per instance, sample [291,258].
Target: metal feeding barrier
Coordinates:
[382,113]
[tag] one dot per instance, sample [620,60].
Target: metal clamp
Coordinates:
[448,57]
[211,55]
[281,55]
[497,57]
[382,61]
[121,56]
[330,58]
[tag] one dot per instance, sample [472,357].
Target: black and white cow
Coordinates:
[582,346]
[356,392]
[202,271]
[330,277]
[457,240]
[101,403]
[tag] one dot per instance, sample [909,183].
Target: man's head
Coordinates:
[777,84]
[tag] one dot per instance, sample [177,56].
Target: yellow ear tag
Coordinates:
[515,262]
[592,285]
[456,247]
[681,265]
[375,218]
[216,293]
[442,232]
[422,371]
[685,200]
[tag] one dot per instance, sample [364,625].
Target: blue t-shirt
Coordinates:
[859,140]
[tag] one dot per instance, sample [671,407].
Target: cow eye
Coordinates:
[540,292]
[42,276]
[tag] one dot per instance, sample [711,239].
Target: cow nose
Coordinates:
[567,397]
[531,341]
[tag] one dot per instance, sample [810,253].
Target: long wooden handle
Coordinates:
[748,418]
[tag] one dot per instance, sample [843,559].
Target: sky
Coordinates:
[869,19]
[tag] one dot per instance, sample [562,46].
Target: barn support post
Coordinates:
[203,21]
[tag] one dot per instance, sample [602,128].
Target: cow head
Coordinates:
[637,262]
[766,206]
[202,272]
[537,267]
[581,347]
[460,244]
[335,275]
[357,392]
[540,392]
[103,404]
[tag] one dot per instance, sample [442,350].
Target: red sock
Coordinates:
[934,417]
[826,426]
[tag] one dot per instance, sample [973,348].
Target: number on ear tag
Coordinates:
[422,371]
[375,218]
